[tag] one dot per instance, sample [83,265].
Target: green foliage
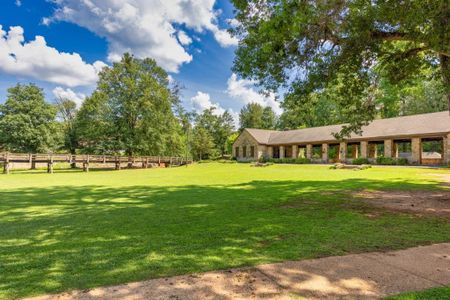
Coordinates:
[77,230]
[360,161]
[401,161]
[230,141]
[66,113]
[131,111]
[438,293]
[218,127]
[27,122]
[414,97]
[305,48]
[320,110]
[287,160]
[381,160]
[254,115]
[202,144]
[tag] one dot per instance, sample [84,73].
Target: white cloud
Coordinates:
[202,101]
[243,91]
[18,3]
[233,22]
[69,94]
[35,59]
[224,38]
[145,28]
[183,38]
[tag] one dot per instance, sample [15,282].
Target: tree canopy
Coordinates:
[305,47]
[254,115]
[131,110]
[27,122]
[215,127]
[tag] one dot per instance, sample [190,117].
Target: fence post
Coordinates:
[73,161]
[117,163]
[6,166]
[86,164]
[33,161]
[50,164]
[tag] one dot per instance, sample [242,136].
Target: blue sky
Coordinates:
[61,45]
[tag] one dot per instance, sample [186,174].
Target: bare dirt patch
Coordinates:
[420,202]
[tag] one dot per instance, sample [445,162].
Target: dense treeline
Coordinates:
[134,110]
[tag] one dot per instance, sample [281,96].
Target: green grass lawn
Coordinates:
[440,293]
[73,230]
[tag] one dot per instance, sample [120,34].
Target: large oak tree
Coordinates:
[304,47]
[131,111]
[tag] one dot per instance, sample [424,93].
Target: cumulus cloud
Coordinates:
[35,59]
[18,3]
[184,38]
[242,90]
[145,28]
[69,94]
[202,101]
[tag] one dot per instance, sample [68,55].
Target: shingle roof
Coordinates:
[261,135]
[424,124]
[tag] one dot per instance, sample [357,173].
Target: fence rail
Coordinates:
[86,159]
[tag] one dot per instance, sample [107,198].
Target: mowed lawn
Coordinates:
[74,230]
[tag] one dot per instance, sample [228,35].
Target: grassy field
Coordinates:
[73,230]
[440,293]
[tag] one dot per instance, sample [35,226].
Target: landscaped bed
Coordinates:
[74,230]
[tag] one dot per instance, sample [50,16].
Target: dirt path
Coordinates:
[368,275]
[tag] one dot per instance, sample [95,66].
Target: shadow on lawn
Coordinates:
[65,237]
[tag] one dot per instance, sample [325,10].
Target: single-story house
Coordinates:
[421,139]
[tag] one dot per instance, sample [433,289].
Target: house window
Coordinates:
[237,151]
[252,151]
[244,152]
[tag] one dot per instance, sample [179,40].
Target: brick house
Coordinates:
[421,139]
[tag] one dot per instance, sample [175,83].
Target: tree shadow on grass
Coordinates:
[65,237]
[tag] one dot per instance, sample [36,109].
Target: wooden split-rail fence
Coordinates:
[7,159]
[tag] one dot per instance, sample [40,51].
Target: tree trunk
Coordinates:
[445,67]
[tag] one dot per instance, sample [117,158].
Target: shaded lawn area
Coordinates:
[74,230]
[440,293]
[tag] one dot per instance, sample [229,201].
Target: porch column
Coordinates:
[416,148]
[295,151]
[395,150]
[309,151]
[325,153]
[355,151]
[249,151]
[281,151]
[270,151]
[259,151]
[446,149]
[388,148]
[233,152]
[364,147]
[342,151]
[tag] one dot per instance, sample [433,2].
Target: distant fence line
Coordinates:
[87,159]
